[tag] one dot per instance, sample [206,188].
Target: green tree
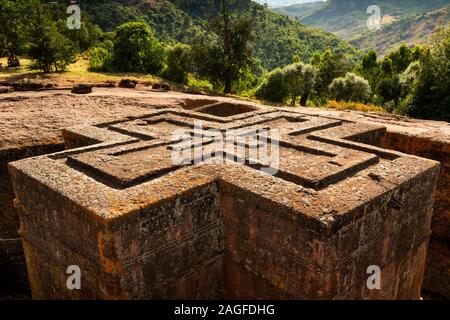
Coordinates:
[299,80]
[387,66]
[370,69]
[389,89]
[136,49]
[49,49]
[178,63]
[13,23]
[350,88]
[222,54]
[431,92]
[407,78]
[85,37]
[401,58]
[330,66]
[272,87]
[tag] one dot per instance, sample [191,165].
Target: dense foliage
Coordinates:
[136,49]
[273,87]
[350,88]
[430,96]
[179,63]
[278,39]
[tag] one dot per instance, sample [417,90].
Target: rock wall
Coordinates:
[437,276]
[140,226]
[32,127]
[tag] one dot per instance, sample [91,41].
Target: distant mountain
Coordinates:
[348,18]
[282,3]
[278,37]
[413,29]
[300,10]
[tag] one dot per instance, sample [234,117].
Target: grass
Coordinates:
[80,70]
[76,72]
[23,68]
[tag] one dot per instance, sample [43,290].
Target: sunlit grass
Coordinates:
[76,72]
[80,70]
[24,64]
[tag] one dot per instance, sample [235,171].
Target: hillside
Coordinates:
[414,29]
[300,10]
[282,3]
[278,37]
[348,18]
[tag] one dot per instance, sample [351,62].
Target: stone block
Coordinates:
[141,226]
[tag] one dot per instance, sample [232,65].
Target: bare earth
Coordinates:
[31,118]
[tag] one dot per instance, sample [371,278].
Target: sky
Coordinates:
[279,3]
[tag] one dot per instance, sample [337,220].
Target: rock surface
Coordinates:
[31,123]
[127,83]
[6,90]
[82,89]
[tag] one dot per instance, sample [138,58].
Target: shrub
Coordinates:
[299,80]
[389,89]
[200,85]
[136,49]
[350,88]
[178,63]
[99,59]
[273,87]
[342,105]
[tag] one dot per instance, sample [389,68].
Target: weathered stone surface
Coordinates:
[6,89]
[30,125]
[166,87]
[82,89]
[141,227]
[127,83]
[427,139]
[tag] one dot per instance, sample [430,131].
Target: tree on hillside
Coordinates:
[13,15]
[330,66]
[273,87]
[49,49]
[387,67]
[299,79]
[178,63]
[401,58]
[136,49]
[389,89]
[222,54]
[370,69]
[431,92]
[83,38]
[350,88]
